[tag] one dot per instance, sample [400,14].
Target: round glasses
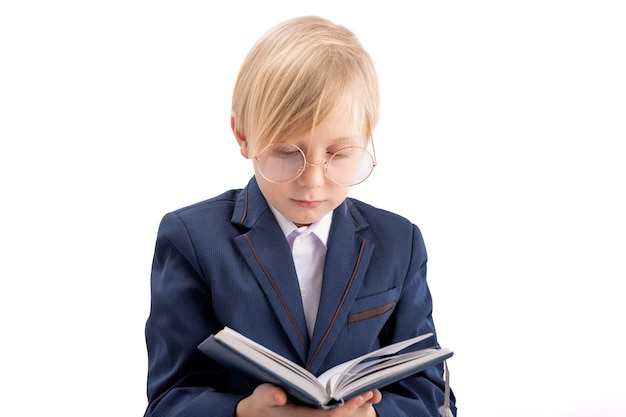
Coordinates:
[281,163]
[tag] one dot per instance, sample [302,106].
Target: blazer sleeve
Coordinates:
[181,380]
[422,394]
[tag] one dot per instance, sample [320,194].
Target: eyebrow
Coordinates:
[348,139]
[341,140]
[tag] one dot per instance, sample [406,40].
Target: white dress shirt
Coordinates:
[308,248]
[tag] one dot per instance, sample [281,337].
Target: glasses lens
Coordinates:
[350,166]
[281,162]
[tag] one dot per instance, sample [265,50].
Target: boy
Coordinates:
[290,261]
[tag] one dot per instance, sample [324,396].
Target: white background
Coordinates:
[502,136]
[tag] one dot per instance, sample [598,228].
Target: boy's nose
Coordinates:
[314,175]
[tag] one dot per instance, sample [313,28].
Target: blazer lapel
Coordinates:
[347,258]
[267,252]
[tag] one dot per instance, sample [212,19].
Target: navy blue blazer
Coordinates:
[225,262]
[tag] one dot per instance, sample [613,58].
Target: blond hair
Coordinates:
[296,75]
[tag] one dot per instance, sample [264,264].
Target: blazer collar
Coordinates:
[250,206]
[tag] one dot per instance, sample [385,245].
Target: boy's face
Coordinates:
[312,195]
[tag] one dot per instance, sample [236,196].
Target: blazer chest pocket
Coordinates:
[373,305]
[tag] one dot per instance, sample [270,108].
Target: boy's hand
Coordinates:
[268,400]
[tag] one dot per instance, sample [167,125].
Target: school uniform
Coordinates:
[226,262]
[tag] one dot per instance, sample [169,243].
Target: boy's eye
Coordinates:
[342,153]
[287,154]
[284,152]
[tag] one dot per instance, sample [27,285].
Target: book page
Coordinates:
[384,351]
[395,369]
[272,362]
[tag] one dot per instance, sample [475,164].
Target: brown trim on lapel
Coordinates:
[354,217]
[372,312]
[273,284]
[343,299]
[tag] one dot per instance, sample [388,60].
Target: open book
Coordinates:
[373,370]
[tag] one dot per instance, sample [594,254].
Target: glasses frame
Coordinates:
[323,165]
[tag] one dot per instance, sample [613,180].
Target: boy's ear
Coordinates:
[244,147]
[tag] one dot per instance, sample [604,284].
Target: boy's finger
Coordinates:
[274,395]
[358,401]
[376,397]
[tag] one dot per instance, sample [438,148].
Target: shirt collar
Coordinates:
[320,228]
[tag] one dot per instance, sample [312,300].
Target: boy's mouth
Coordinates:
[307,203]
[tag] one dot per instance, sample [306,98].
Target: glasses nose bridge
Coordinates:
[323,165]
